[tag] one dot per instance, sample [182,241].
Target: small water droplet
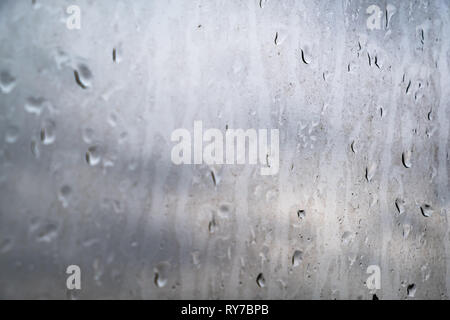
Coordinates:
[406,230]
[34,146]
[260,280]
[297,258]
[64,195]
[48,134]
[301,214]
[7,82]
[83,76]
[411,290]
[93,156]
[12,134]
[400,205]
[47,233]
[370,172]
[35,105]
[406,159]
[348,237]
[426,210]
[353,146]
[212,226]
[161,272]
[88,134]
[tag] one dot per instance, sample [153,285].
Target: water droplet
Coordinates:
[93,156]
[34,146]
[297,258]
[353,146]
[83,76]
[370,172]
[35,105]
[64,195]
[306,57]
[426,210]
[88,135]
[411,290]
[301,214]
[212,226]
[406,230]
[161,272]
[224,210]
[348,237]
[48,134]
[7,82]
[400,205]
[117,54]
[406,159]
[12,134]
[47,233]
[260,280]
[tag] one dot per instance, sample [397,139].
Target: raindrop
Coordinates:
[353,146]
[161,271]
[7,82]
[276,38]
[212,226]
[370,172]
[426,210]
[35,149]
[88,134]
[12,134]
[117,54]
[297,258]
[301,214]
[411,290]
[347,238]
[35,105]
[306,57]
[83,76]
[260,280]
[400,205]
[48,233]
[406,230]
[64,194]
[48,132]
[406,159]
[93,156]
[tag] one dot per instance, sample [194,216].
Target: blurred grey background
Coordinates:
[85,171]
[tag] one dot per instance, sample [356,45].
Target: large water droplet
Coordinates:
[301,214]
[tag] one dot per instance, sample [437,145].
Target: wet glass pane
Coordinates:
[253,149]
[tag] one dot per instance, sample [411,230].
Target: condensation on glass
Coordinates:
[360,93]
